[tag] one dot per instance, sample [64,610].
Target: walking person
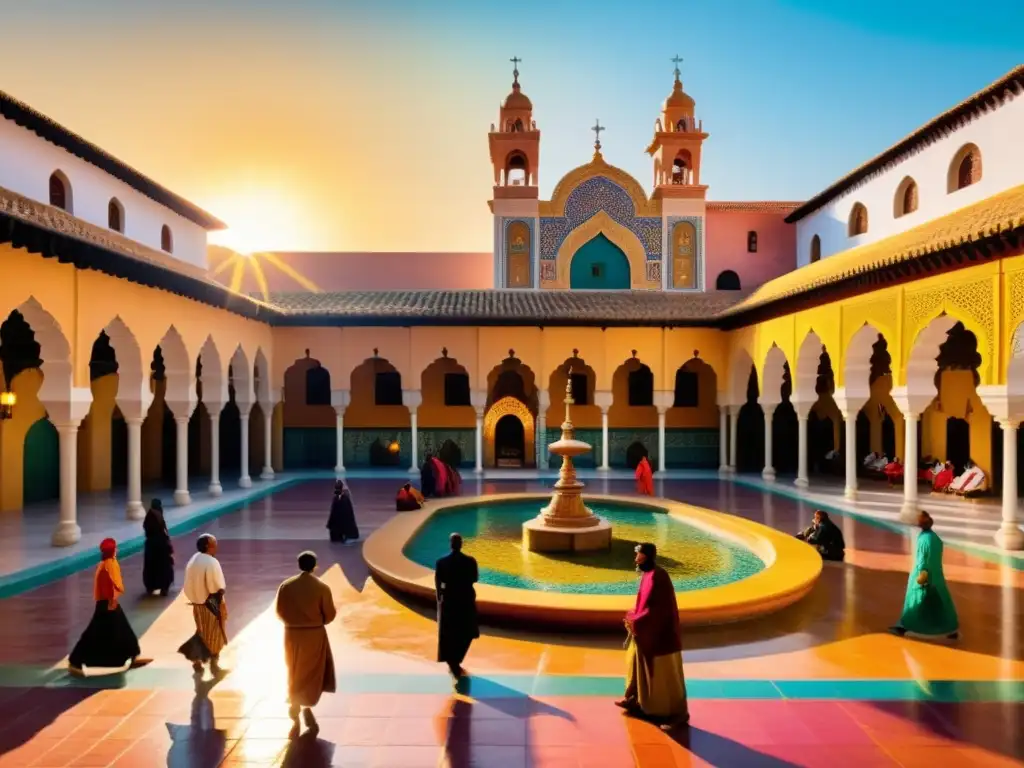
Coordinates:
[204,588]
[158,556]
[655,685]
[109,640]
[928,606]
[342,520]
[457,628]
[644,476]
[305,606]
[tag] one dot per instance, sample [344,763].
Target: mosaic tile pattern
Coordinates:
[698,225]
[593,195]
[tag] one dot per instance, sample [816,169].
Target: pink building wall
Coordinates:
[726,245]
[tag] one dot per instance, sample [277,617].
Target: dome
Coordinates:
[517,99]
[679,98]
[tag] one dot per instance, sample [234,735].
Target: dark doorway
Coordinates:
[118,451]
[889,437]
[750,430]
[958,443]
[450,453]
[635,452]
[785,439]
[509,442]
[863,437]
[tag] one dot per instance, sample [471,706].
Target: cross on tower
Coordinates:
[597,133]
[515,68]
[677,61]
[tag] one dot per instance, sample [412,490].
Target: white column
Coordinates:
[67,531]
[849,404]
[181,494]
[213,411]
[803,411]
[734,423]
[723,439]
[244,481]
[340,401]
[1010,536]
[268,442]
[478,399]
[910,506]
[603,400]
[768,473]
[135,509]
[543,403]
[661,438]
[413,398]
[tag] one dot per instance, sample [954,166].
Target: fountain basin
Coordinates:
[724,568]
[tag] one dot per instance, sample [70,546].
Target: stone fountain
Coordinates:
[566,524]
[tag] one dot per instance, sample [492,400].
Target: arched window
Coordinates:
[318,386]
[965,169]
[815,249]
[751,242]
[687,394]
[456,389]
[681,125]
[906,198]
[641,386]
[517,170]
[517,126]
[115,215]
[858,220]
[166,243]
[387,388]
[60,191]
[727,281]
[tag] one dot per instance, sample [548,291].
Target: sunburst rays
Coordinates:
[240,265]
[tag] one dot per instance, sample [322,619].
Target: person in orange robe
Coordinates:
[408,499]
[644,478]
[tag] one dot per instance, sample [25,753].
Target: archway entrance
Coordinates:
[509,441]
[599,264]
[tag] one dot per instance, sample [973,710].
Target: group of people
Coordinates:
[941,475]
[438,478]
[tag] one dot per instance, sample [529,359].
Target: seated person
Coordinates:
[408,499]
[894,470]
[454,482]
[972,480]
[870,459]
[943,478]
[928,468]
[879,464]
[825,536]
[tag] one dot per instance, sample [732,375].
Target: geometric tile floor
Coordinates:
[819,684]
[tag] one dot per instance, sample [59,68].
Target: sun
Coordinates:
[258,220]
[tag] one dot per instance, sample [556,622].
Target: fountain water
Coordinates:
[566,524]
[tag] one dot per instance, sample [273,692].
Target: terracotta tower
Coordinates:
[515,155]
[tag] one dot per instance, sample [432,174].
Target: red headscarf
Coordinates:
[107,548]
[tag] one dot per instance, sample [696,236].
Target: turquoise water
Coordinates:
[693,558]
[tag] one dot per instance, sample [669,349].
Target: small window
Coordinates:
[456,389]
[815,249]
[641,387]
[115,215]
[596,270]
[318,386]
[387,388]
[751,242]
[166,243]
[580,389]
[687,390]
[60,192]
[965,169]
[727,281]
[858,224]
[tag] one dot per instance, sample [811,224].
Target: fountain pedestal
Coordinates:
[566,524]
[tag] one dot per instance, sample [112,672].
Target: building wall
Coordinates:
[27,162]
[996,135]
[727,246]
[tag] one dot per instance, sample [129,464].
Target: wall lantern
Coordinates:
[394,447]
[7,402]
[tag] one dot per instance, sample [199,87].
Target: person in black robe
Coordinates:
[825,536]
[454,577]
[342,521]
[428,481]
[158,557]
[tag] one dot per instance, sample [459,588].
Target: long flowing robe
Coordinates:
[644,478]
[342,520]
[654,661]
[457,628]
[158,557]
[453,483]
[928,608]
[407,501]
[440,476]
[305,606]
[943,479]
[211,635]
[427,480]
[108,640]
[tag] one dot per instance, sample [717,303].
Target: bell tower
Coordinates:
[515,156]
[676,149]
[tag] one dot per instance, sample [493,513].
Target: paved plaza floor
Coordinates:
[819,684]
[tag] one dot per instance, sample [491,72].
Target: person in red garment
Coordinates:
[943,479]
[655,685]
[408,499]
[644,477]
[893,471]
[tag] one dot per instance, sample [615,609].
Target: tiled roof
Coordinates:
[28,118]
[760,206]
[503,307]
[940,127]
[984,219]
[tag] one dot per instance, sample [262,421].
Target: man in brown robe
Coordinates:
[305,606]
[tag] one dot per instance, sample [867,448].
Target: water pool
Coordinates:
[694,558]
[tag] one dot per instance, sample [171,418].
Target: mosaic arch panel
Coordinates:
[516,253]
[596,194]
[685,242]
[508,406]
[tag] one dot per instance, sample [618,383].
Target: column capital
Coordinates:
[412,399]
[69,411]
[911,404]
[603,399]
[340,398]
[478,398]
[768,406]
[134,403]
[543,399]
[1006,408]
[182,407]
[663,400]
[849,402]
[271,398]
[734,409]
[214,410]
[244,409]
[802,408]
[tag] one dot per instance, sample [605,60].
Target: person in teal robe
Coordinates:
[928,607]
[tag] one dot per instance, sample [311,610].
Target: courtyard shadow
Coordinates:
[718,750]
[25,712]
[200,742]
[308,751]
